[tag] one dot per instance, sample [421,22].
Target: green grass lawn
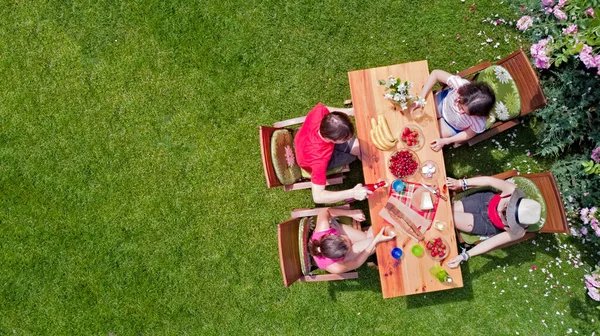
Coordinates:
[132,197]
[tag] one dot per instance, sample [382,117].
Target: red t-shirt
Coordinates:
[312,152]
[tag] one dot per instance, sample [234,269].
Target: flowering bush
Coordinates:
[399,92]
[568,28]
[592,283]
[589,217]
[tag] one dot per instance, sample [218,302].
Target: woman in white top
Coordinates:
[463,109]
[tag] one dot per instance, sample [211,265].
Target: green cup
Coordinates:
[417,250]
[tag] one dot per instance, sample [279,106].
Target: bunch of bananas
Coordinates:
[381,136]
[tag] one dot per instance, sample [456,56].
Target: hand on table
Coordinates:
[438,144]
[455,261]
[360,193]
[381,237]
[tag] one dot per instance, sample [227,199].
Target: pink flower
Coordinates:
[593,293]
[561,3]
[559,14]
[548,10]
[593,210]
[542,62]
[525,22]
[539,49]
[592,280]
[289,156]
[572,28]
[590,12]
[596,155]
[547,3]
[534,267]
[594,224]
[584,230]
[584,212]
[585,55]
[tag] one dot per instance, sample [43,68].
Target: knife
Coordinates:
[435,192]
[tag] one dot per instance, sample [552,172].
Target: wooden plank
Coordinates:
[265,134]
[411,274]
[329,277]
[289,259]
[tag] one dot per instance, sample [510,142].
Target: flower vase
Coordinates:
[397,106]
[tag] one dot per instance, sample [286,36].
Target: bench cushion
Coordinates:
[508,100]
[283,156]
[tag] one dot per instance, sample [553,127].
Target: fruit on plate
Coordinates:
[381,136]
[403,163]
[410,137]
[437,248]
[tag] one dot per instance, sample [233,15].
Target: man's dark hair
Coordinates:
[336,126]
[477,97]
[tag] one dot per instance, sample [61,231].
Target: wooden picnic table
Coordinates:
[410,275]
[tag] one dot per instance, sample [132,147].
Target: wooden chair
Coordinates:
[528,85]
[265,134]
[556,219]
[289,251]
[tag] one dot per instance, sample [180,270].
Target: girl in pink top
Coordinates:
[341,248]
[462,110]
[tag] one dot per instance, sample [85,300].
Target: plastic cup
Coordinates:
[397,253]
[417,251]
[398,186]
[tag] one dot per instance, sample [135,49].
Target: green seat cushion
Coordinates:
[508,100]
[303,235]
[283,156]
[529,189]
[329,172]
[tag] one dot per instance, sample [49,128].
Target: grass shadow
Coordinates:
[485,158]
[368,279]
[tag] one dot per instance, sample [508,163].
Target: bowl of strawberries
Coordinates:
[412,137]
[437,248]
[403,163]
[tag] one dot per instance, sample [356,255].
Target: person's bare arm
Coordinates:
[348,110]
[436,76]
[345,266]
[486,246]
[463,136]
[505,187]
[352,213]
[322,196]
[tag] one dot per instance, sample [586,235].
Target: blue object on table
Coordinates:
[396,253]
[398,186]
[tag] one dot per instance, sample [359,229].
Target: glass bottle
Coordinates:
[440,273]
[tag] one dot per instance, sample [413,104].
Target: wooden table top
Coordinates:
[410,275]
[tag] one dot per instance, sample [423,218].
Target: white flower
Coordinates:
[397,97]
[392,81]
[388,96]
[401,87]
[502,75]
[501,110]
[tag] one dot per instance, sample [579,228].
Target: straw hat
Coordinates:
[521,212]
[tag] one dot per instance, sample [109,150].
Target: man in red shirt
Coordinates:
[326,140]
